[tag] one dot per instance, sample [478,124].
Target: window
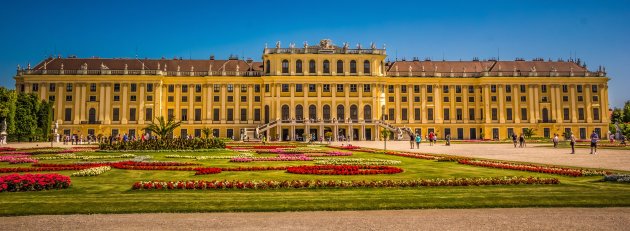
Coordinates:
[268,67]
[403,88]
[446,99]
[52,87]
[216,87]
[243,88]
[92,98]
[148,114]
[68,98]
[430,113]
[198,114]
[184,88]
[230,98]
[445,88]
[508,88]
[594,88]
[353,67]
[298,66]
[115,114]
[458,99]
[447,114]
[391,115]
[183,133]
[243,114]
[390,88]
[495,113]
[508,114]
[68,114]
[543,88]
[171,88]
[339,87]
[171,98]
[51,98]
[285,66]
[311,67]
[565,88]
[459,114]
[230,133]
[390,99]
[215,114]
[116,98]
[149,87]
[565,98]
[326,87]
[366,67]
[257,114]
[416,114]
[565,114]
[92,87]
[69,87]
[493,98]
[580,113]
[171,113]
[458,89]
[471,99]
[508,98]
[404,114]
[429,98]
[416,88]
[230,114]
[134,87]
[184,114]
[184,99]
[326,67]
[416,99]
[429,88]
[339,67]
[523,98]
[595,113]
[580,98]
[353,88]
[266,87]
[544,99]
[132,114]
[197,99]
[367,87]
[471,114]
[256,98]
[523,113]
[197,88]
[580,88]
[523,88]
[595,98]
[493,88]
[132,98]
[230,87]
[285,87]
[243,98]
[257,88]
[312,88]
[150,98]
[298,87]
[403,99]
[471,89]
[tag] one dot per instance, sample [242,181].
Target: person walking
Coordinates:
[418,140]
[448,140]
[514,139]
[555,141]
[594,140]
[572,140]
[521,141]
[431,138]
[412,138]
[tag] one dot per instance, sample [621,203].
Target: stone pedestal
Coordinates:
[56,138]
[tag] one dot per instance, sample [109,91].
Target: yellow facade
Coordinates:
[468,100]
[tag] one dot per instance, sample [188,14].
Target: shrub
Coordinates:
[169,144]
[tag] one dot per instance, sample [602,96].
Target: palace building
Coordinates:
[312,90]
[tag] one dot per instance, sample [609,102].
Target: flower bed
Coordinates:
[344,170]
[533,168]
[210,170]
[414,155]
[314,184]
[75,157]
[259,146]
[209,157]
[33,182]
[17,159]
[7,149]
[169,166]
[206,171]
[92,171]
[622,178]
[40,169]
[354,161]
[278,158]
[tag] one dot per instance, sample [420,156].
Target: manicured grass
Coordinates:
[111,192]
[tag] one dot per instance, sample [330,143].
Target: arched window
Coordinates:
[298,66]
[92,115]
[354,113]
[339,67]
[326,66]
[340,113]
[285,66]
[312,112]
[299,112]
[311,66]
[268,67]
[353,67]
[366,67]
[367,113]
[326,112]
[285,112]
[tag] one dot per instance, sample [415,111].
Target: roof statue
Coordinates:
[346,46]
[18,67]
[126,66]
[237,67]
[61,66]
[192,68]
[178,68]
[29,66]
[373,46]
[84,66]
[410,68]
[359,46]
[291,45]
[158,66]
[278,44]
[305,45]
[326,44]
[164,67]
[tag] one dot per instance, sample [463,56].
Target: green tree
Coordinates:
[44,119]
[626,112]
[385,133]
[529,132]
[26,125]
[7,108]
[617,116]
[163,127]
[206,132]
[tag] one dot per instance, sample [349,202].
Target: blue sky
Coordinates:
[598,32]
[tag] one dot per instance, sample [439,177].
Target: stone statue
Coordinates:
[291,45]
[158,66]
[61,66]
[617,131]
[373,46]
[359,46]
[346,46]
[278,44]
[3,129]
[178,68]
[56,126]
[237,67]
[305,45]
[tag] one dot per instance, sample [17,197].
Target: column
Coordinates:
[486,101]
[141,106]
[223,106]
[191,103]
[558,104]
[205,109]
[604,108]
[502,104]
[237,103]
[589,102]
[83,103]
[101,102]
[108,103]
[517,100]
[537,102]
[465,109]
[423,110]
[555,113]
[250,108]
[77,103]
[397,109]
[453,110]
[437,111]
[346,93]
[410,111]
[125,109]
[532,101]
[59,102]
[573,106]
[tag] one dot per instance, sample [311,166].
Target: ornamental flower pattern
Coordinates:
[92,171]
[33,182]
[533,168]
[344,170]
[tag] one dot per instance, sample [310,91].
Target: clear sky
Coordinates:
[598,32]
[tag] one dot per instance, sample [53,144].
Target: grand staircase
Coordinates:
[262,128]
[399,133]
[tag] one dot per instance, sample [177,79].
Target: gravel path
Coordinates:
[534,153]
[432,219]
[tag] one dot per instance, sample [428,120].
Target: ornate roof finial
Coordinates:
[305,45]
[359,46]
[291,45]
[373,46]
[29,66]
[210,68]
[278,44]
[142,65]
[18,67]
[45,64]
[384,46]
[265,45]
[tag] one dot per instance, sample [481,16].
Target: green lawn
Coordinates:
[111,192]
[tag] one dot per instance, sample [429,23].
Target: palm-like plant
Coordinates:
[206,132]
[163,127]
[385,133]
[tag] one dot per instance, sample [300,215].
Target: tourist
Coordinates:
[263,140]
[412,138]
[418,140]
[435,139]
[431,135]
[623,140]
[612,138]
[594,140]
[572,140]
[555,140]
[514,139]
[125,138]
[448,139]
[521,141]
